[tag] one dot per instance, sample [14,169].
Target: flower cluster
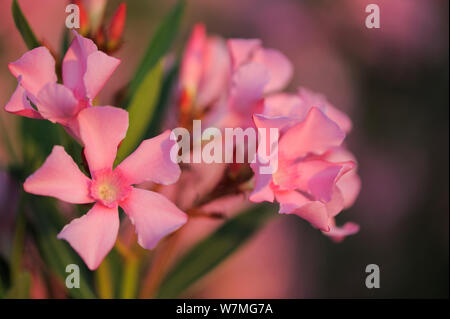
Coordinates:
[236,83]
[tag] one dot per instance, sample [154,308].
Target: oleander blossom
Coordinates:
[85,71]
[94,234]
[224,82]
[316,176]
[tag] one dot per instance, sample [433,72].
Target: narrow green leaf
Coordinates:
[20,288]
[56,253]
[141,110]
[24,28]
[130,279]
[104,281]
[18,242]
[38,139]
[154,128]
[211,251]
[159,45]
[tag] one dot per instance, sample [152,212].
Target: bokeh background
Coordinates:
[392,81]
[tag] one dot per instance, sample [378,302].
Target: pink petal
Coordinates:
[262,191]
[19,104]
[350,186]
[247,88]
[267,122]
[241,50]
[215,73]
[99,69]
[350,183]
[57,103]
[37,68]
[313,99]
[315,177]
[280,68]
[315,212]
[316,134]
[191,67]
[101,131]
[74,64]
[338,234]
[60,177]
[153,215]
[151,162]
[284,104]
[93,235]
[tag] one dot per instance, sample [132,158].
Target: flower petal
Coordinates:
[99,68]
[153,215]
[20,105]
[350,183]
[191,67]
[102,128]
[74,64]
[338,234]
[262,191]
[316,134]
[216,72]
[241,50]
[60,177]
[56,103]
[315,212]
[284,104]
[280,68]
[37,68]
[151,162]
[93,235]
[310,99]
[247,88]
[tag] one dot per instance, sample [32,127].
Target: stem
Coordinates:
[7,140]
[103,279]
[18,241]
[159,265]
[130,278]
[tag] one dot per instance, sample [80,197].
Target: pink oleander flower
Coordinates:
[205,70]
[85,71]
[94,234]
[316,177]
[229,79]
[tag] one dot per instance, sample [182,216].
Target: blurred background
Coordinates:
[392,81]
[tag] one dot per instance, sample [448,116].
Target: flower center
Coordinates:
[109,188]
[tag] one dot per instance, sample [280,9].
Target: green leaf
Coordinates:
[154,127]
[20,288]
[24,28]
[211,251]
[141,110]
[38,139]
[159,45]
[56,253]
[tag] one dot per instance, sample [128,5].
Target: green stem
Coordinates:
[7,140]
[103,280]
[18,241]
[130,278]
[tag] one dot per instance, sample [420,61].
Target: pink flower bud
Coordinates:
[116,26]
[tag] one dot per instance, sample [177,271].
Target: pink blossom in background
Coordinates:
[255,73]
[316,178]
[93,235]
[85,71]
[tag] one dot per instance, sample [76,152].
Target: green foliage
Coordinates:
[141,110]
[159,45]
[21,287]
[24,28]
